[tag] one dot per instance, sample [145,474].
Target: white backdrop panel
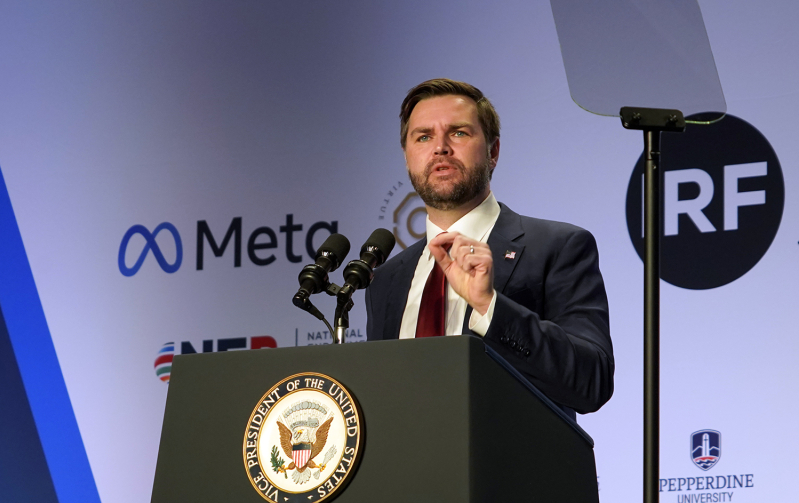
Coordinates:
[142,112]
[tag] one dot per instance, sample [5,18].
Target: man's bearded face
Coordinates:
[452,191]
[449,161]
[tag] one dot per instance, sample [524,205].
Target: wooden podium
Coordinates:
[445,421]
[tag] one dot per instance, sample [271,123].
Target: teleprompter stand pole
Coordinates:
[652,178]
[652,121]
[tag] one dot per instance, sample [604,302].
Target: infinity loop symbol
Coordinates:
[151,245]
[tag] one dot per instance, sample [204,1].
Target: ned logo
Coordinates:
[303,440]
[705,448]
[722,202]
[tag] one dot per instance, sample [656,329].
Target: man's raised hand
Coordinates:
[468,266]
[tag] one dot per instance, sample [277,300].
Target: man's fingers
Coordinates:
[467,254]
[471,263]
[470,250]
[440,245]
[443,240]
[441,256]
[468,265]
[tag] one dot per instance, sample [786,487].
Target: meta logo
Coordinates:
[150,244]
[723,196]
[259,243]
[165,356]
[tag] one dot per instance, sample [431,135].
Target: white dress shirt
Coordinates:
[477,225]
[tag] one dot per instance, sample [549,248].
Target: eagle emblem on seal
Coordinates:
[303,431]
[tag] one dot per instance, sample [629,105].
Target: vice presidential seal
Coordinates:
[303,440]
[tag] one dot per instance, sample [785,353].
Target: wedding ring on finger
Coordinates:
[471,248]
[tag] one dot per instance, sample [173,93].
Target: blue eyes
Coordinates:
[457,134]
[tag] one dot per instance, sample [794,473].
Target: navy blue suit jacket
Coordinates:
[551,316]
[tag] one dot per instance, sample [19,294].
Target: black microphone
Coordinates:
[313,277]
[359,273]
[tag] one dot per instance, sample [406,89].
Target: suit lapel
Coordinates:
[399,286]
[505,252]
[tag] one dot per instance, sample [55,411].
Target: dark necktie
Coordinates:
[432,311]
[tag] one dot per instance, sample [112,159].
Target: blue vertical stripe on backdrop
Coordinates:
[39,368]
[24,475]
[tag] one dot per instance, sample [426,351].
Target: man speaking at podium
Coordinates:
[531,288]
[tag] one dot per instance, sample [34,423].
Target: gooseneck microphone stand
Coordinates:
[357,275]
[342,315]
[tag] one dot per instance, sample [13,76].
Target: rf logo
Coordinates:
[150,244]
[723,198]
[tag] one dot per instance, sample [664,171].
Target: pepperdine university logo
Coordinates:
[705,448]
[303,440]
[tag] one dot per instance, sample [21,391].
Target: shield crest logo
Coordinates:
[301,453]
[705,448]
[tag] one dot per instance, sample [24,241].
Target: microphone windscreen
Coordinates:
[336,245]
[383,240]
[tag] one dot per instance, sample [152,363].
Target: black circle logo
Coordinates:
[722,201]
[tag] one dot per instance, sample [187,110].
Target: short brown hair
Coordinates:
[488,117]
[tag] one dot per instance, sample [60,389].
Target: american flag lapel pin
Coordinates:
[510,255]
